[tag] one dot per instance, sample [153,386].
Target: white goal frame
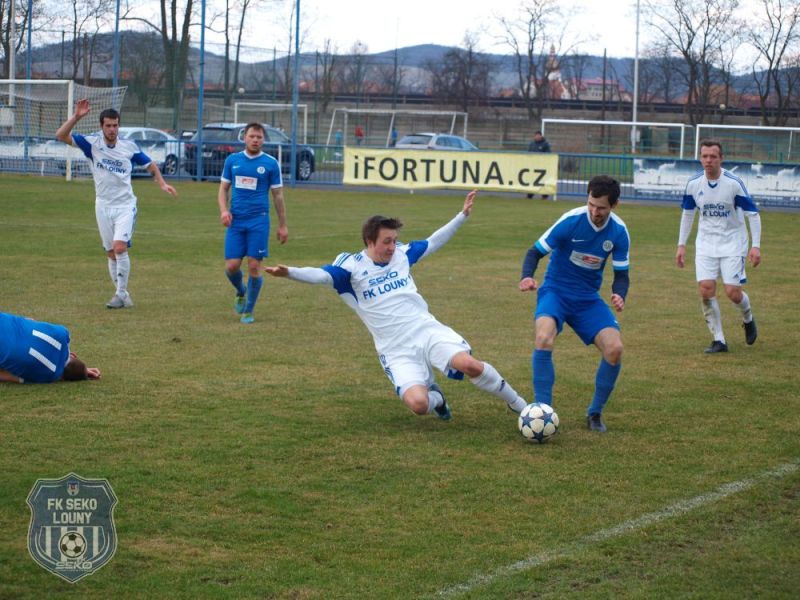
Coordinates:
[634,125]
[764,128]
[269,107]
[11,96]
[454,115]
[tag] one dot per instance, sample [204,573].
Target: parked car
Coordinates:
[160,146]
[435,141]
[222,139]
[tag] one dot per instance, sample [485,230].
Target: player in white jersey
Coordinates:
[377,284]
[112,161]
[721,245]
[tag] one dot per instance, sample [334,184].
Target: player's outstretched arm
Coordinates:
[278,271]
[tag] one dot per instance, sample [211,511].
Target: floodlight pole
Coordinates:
[115,74]
[295,94]
[635,84]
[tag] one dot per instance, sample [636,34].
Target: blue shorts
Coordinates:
[587,317]
[247,237]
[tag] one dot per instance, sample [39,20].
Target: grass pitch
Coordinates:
[274,460]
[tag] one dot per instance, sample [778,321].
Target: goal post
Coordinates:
[31,110]
[616,137]
[758,142]
[378,123]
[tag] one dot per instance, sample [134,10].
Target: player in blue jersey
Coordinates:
[581,242]
[377,284]
[36,352]
[721,246]
[112,161]
[249,176]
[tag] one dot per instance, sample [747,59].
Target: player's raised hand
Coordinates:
[528,284]
[82,108]
[279,271]
[468,202]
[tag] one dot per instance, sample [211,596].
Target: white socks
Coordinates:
[123,272]
[713,319]
[435,399]
[112,270]
[491,381]
[744,307]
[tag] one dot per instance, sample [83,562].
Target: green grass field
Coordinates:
[275,461]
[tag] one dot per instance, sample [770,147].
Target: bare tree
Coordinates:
[775,35]
[664,69]
[173,28]
[697,31]
[142,61]
[573,69]
[536,34]
[353,72]
[20,27]
[464,76]
[328,62]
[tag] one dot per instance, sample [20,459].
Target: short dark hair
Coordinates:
[537,132]
[255,125]
[75,370]
[603,185]
[109,113]
[711,143]
[373,225]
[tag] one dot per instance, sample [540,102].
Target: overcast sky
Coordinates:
[387,24]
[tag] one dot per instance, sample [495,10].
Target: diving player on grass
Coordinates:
[581,242]
[377,284]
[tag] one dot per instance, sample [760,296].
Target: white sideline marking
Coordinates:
[674,510]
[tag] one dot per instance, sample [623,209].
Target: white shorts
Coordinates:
[116,223]
[412,362]
[730,268]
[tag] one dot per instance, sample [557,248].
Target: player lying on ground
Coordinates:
[377,284]
[36,352]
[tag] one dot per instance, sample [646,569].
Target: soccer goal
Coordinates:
[31,110]
[617,137]
[377,124]
[760,143]
[277,115]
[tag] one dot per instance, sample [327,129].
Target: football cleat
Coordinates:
[594,422]
[442,411]
[118,301]
[247,318]
[716,346]
[750,332]
[239,304]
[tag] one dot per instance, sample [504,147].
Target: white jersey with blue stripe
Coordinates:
[251,179]
[580,251]
[383,295]
[35,352]
[111,167]
[722,205]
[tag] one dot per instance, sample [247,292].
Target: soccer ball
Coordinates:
[538,422]
[72,544]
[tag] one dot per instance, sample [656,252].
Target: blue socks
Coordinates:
[236,278]
[544,376]
[253,289]
[604,383]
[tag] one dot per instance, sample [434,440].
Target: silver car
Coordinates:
[165,149]
[435,141]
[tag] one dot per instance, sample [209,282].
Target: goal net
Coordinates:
[276,115]
[31,110]
[377,124]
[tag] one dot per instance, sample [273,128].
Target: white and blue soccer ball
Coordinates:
[538,422]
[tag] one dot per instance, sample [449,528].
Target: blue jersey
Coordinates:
[251,179]
[35,352]
[580,251]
